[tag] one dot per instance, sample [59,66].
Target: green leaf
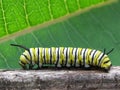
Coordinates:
[97,28]
[16,15]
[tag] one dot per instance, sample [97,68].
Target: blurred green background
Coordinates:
[96,28]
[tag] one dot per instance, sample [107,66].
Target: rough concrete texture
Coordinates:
[60,79]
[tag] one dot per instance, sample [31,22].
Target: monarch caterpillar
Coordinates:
[64,57]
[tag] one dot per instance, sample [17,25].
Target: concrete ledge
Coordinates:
[60,80]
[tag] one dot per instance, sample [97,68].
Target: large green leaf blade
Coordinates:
[16,15]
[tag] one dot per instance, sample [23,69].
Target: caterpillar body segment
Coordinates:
[64,57]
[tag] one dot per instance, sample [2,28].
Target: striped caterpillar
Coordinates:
[64,57]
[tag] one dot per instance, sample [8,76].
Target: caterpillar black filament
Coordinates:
[64,57]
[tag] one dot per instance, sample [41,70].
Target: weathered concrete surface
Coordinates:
[60,80]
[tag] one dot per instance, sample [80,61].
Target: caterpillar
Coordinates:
[64,57]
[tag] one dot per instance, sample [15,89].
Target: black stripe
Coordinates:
[26,57]
[75,57]
[23,62]
[89,61]
[93,57]
[57,58]
[107,61]
[84,57]
[97,59]
[31,64]
[30,57]
[101,59]
[66,57]
[44,57]
[91,52]
[50,55]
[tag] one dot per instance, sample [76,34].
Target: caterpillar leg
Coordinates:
[30,67]
[24,67]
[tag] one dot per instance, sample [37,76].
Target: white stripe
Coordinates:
[74,49]
[64,52]
[77,62]
[65,49]
[83,50]
[58,59]
[33,62]
[86,65]
[40,64]
[94,56]
[101,58]
[91,55]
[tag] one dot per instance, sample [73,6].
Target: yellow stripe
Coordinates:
[23,59]
[47,55]
[21,64]
[62,55]
[33,54]
[54,57]
[27,54]
[41,55]
[104,60]
[79,56]
[71,55]
[36,56]
[88,56]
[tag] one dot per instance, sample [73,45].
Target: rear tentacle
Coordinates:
[110,51]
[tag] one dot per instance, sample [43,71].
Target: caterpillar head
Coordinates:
[106,63]
[25,58]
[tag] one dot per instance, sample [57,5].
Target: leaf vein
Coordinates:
[26,13]
[4,59]
[50,11]
[78,33]
[78,3]
[36,38]
[67,34]
[66,6]
[4,18]
[52,38]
